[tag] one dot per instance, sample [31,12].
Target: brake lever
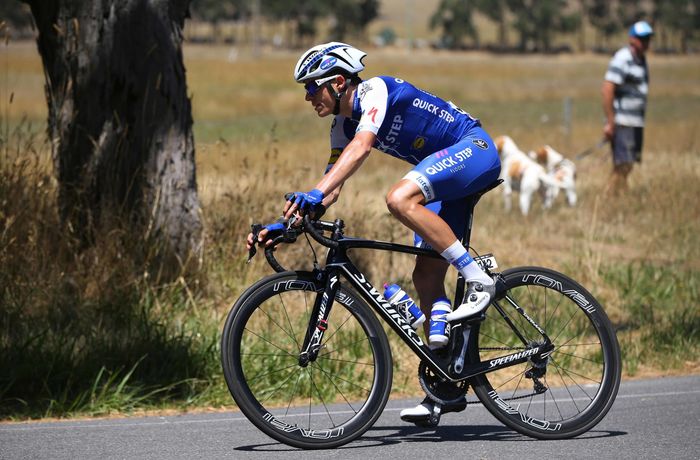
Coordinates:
[256,228]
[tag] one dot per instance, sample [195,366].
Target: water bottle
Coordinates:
[439,326]
[404,304]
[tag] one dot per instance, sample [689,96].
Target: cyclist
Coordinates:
[452,157]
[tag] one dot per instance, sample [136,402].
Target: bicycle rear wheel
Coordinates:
[570,391]
[328,402]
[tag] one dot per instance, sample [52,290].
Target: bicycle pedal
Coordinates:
[432,420]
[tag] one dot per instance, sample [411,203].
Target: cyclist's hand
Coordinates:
[265,234]
[303,202]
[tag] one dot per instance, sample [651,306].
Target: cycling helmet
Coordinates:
[328,59]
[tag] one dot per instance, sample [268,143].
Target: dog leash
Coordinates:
[591,149]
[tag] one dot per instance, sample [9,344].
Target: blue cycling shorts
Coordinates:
[450,175]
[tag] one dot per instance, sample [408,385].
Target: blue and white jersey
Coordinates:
[410,123]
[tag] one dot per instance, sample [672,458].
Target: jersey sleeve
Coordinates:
[373,96]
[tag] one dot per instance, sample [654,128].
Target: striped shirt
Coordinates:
[631,78]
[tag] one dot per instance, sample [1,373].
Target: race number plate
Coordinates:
[487,261]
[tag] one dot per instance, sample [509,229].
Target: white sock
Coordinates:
[459,258]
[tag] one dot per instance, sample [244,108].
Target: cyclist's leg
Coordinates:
[450,174]
[441,224]
[429,281]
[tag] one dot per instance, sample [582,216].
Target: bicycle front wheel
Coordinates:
[322,404]
[568,392]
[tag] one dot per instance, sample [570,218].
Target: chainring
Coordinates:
[438,389]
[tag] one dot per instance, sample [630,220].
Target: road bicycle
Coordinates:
[309,363]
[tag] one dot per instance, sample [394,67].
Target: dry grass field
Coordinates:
[257,139]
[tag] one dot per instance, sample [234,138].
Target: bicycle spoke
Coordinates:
[320,397]
[573,400]
[277,324]
[577,357]
[291,398]
[340,391]
[569,372]
[267,341]
[275,371]
[291,326]
[275,390]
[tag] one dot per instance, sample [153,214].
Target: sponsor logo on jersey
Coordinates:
[434,109]
[364,89]
[394,129]
[335,154]
[373,114]
[442,153]
[328,63]
[482,144]
[418,143]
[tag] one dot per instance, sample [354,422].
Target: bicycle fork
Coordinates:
[318,322]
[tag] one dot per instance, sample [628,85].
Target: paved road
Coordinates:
[657,418]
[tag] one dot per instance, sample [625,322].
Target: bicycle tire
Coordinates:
[325,404]
[582,374]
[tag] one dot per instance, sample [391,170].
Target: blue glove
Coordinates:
[275,227]
[310,200]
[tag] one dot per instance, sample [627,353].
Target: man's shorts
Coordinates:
[627,144]
[448,176]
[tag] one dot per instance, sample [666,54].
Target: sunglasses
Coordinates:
[313,86]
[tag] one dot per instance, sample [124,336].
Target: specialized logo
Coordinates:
[373,113]
[418,143]
[482,144]
[328,63]
[513,357]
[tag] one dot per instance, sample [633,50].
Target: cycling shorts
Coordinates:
[448,176]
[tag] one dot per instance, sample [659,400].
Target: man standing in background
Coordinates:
[624,102]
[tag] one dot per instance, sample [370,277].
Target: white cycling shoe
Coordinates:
[421,414]
[476,300]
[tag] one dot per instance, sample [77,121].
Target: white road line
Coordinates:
[164,421]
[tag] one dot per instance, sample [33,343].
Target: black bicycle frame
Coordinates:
[338,263]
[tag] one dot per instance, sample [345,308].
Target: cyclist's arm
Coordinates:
[374,106]
[349,161]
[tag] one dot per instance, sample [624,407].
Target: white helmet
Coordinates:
[328,59]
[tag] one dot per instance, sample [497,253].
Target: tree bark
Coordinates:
[119,119]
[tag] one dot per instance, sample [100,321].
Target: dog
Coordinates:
[559,168]
[521,173]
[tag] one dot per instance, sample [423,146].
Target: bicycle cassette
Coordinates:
[438,389]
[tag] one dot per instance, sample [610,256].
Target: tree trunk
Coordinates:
[119,120]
